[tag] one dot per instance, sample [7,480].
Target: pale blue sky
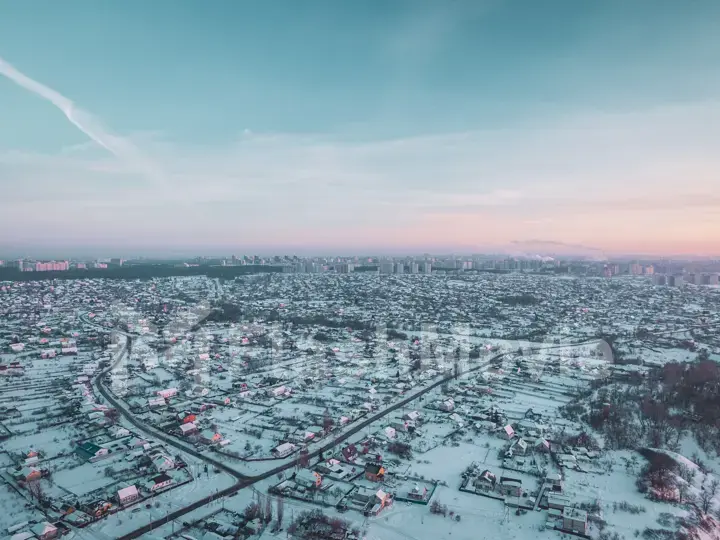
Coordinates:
[237,123]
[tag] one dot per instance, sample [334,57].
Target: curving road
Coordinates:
[244,481]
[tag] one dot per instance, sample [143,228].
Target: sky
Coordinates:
[141,127]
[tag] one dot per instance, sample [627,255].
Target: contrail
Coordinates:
[85,122]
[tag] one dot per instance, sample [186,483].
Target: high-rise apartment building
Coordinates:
[387,267]
[52,266]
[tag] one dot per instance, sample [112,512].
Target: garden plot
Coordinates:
[432,434]
[51,442]
[245,444]
[90,477]
[295,409]
[15,508]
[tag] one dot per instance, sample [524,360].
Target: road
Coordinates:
[99,385]
[248,481]
[244,481]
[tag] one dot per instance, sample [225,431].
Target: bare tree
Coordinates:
[280,511]
[684,492]
[707,494]
[35,489]
[268,510]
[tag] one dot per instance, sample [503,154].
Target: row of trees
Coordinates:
[262,508]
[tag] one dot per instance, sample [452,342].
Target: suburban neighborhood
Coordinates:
[358,406]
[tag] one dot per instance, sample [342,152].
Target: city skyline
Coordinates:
[407,127]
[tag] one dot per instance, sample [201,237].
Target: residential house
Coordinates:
[317,431]
[487,481]
[45,530]
[542,445]
[209,436]
[159,482]
[559,502]
[518,448]
[374,472]
[127,495]
[575,520]
[308,479]
[390,432]
[283,450]
[510,487]
[509,431]
[199,391]
[382,499]
[412,416]
[167,393]
[27,474]
[554,480]
[91,452]
[362,495]
[416,494]
[447,405]
[278,392]
[156,402]
[118,432]
[188,429]
[186,417]
[162,463]
[350,452]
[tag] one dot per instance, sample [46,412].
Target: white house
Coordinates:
[519,448]
[159,482]
[412,416]
[447,405]
[128,494]
[188,429]
[156,402]
[542,445]
[279,391]
[162,462]
[390,432]
[45,530]
[167,393]
[283,450]
[119,432]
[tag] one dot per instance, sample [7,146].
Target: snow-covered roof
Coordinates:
[130,491]
[43,528]
[190,426]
